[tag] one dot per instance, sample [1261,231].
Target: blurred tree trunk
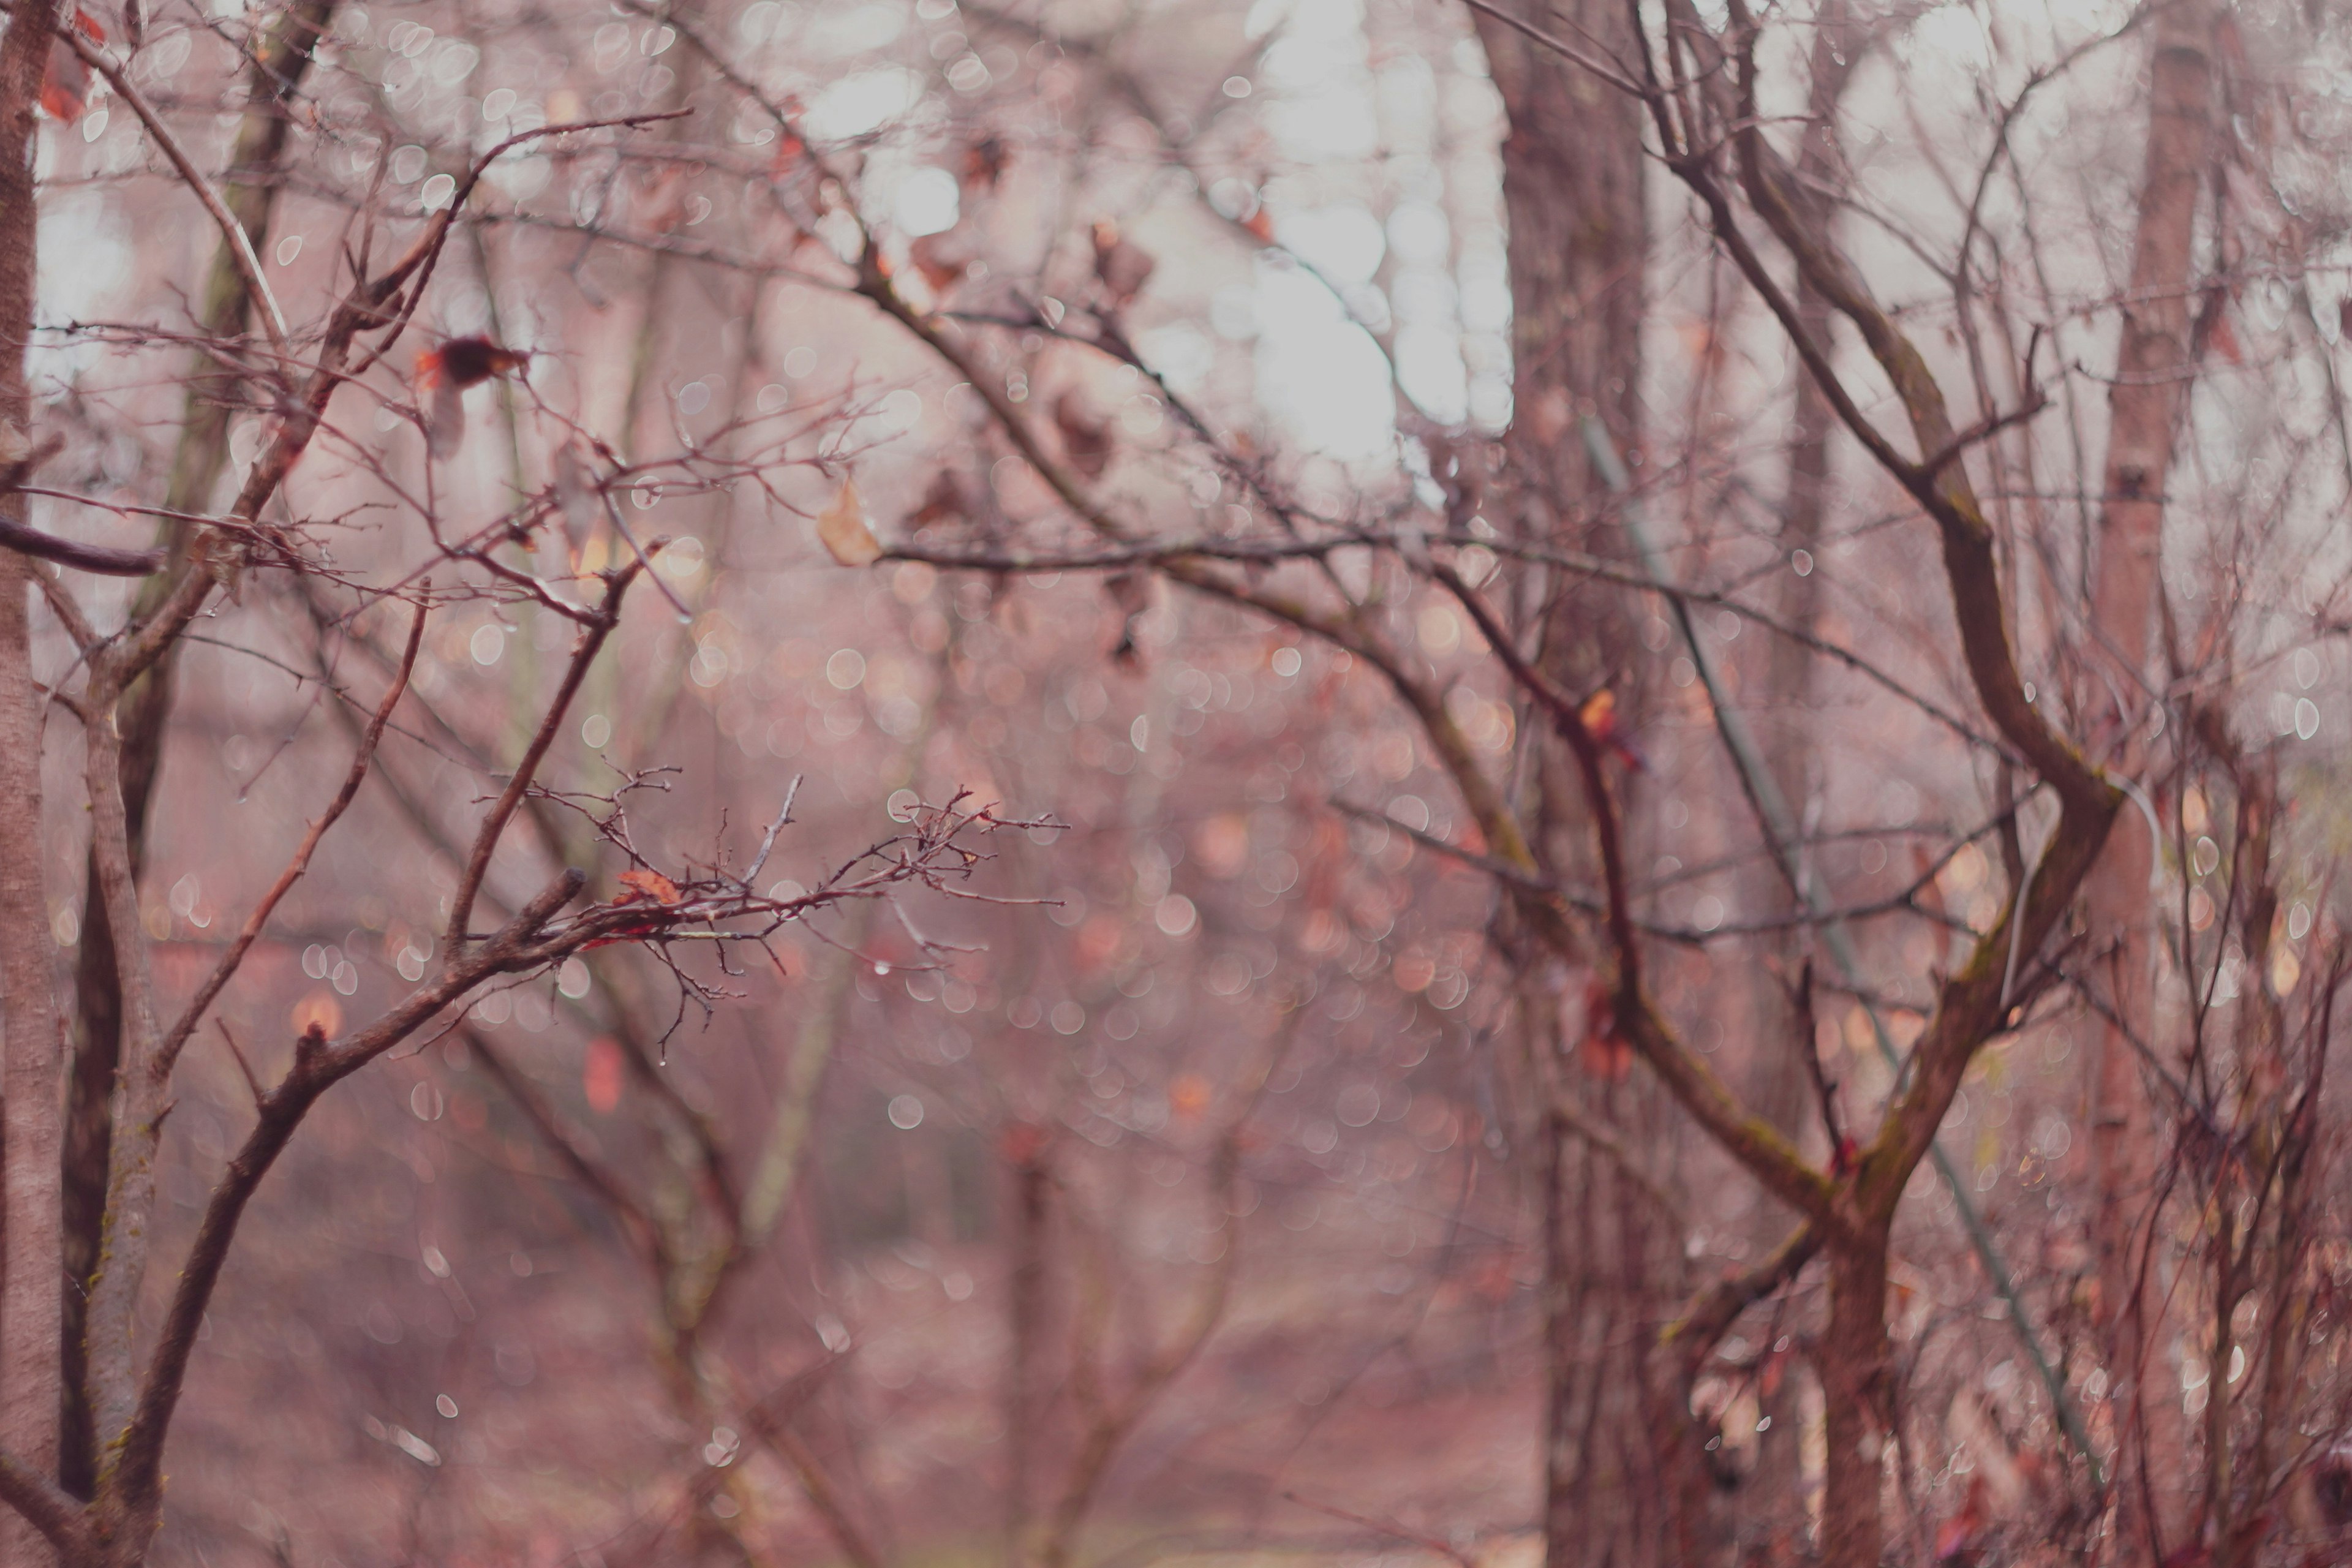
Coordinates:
[1772,1522]
[201,455]
[2145,402]
[1028,1152]
[1572,192]
[28,1071]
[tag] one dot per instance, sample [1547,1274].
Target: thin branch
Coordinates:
[318,1066]
[168,1051]
[477,863]
[240,246]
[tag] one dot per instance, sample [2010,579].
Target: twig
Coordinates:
[477,863]
[768,841]
[1385,1527]
[177,1035]
[612,511]
[241,244]
[242,1066]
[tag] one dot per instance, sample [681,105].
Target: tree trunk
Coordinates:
[1572,193]
[1774,1518]
[2145,404]
[1853,1388]
[198,460]
[30,1296]
[1024,1391]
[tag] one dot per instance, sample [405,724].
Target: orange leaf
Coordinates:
[1599,715]
[318,1011]
[842,529]
[1188,1095]
[65,85]
[600,1077]
[651,885]
[1607,1057]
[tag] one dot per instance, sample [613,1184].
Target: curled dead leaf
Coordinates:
[65,82]
[647,884]
[1123,266]
[843,531]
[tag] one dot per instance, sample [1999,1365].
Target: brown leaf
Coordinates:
[444,373]
[984,161]
[600,1076]
[650,885]
[943,501]
[64,81]
[942,259]
[65,85]
[1123,266]
[1131,591]
[842,529]
[1084,439]
[1607,1057]
[1599,715]
[2224,340]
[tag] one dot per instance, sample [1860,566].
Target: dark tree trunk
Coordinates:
[1572,187]
[198,460]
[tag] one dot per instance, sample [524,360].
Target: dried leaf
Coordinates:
[1131,593]
[1599,715]
[2224,340]
[943,502]
[64,81]
[651,885]
[1084,439]
[984,161]
[65,85]
[942,259]
[841,528]
[1188,1095]
[1123,266]
[444,373]
[1607,1057]
[1604,1053]
[601,1072]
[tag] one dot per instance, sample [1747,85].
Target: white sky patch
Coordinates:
[1418,233]
[1955,34]
[1324,126]
[1322,376]
[1322,105]
[1343,242]
[925,202]
[1179,354]
[1429,370]
[840,30]
[861,103]
[85,259]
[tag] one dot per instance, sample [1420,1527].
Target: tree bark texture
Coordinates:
[30,1110]
[1572,186]
[2145,405]
[273,78]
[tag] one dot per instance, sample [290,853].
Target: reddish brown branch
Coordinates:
[168,1051]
